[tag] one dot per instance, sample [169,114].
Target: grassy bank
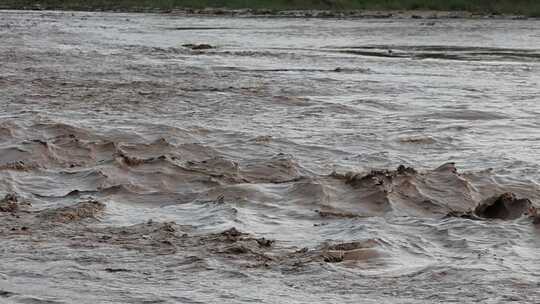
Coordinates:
[521,7]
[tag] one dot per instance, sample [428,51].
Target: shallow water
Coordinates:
[274,131]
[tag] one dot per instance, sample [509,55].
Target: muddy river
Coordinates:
[150,158]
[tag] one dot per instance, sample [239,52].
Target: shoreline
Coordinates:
[349,14]
[314,13]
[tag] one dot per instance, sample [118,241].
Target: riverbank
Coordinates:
[297,8]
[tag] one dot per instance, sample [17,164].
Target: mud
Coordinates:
[505,206]
[174,159]
[198,46]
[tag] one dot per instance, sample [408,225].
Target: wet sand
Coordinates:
[150,158]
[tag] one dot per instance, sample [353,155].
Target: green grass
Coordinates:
[523,7]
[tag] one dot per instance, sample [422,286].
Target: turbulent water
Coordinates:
[288,161]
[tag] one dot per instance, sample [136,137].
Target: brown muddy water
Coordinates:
[294,161]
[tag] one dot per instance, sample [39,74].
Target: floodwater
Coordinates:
[263,169]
